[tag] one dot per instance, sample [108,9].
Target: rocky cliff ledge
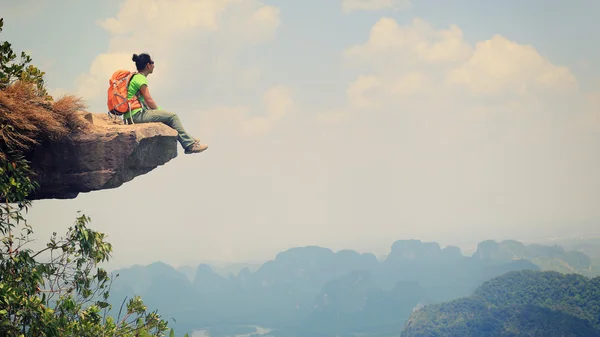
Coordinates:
[103,155]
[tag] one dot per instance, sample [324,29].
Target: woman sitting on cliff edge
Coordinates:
[150,111]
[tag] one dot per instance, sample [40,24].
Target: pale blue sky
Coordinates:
[446,163]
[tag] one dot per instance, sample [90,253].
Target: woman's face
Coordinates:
[150,66]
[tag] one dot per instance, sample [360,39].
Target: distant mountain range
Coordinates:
[588,244]
[313,291]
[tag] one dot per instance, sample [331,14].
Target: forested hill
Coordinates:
[519,303]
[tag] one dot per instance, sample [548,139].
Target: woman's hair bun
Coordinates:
[135,58]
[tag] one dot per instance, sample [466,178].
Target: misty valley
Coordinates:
[419,289]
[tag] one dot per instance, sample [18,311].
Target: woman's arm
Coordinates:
[149,100]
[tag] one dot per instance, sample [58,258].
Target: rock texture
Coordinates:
[104,155]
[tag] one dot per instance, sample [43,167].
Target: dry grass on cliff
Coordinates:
[26,120]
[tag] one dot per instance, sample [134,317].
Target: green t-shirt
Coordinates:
[136,83]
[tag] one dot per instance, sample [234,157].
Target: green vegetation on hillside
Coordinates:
[520,303]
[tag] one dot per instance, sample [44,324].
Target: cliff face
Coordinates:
[103,155]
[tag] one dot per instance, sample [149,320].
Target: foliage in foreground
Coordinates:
[59,290]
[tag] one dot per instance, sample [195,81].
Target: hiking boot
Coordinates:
[195,148]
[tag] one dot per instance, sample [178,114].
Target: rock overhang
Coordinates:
[103,155]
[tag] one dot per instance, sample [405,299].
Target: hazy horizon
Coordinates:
[347,124]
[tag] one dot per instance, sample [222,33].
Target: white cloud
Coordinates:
[90,85]
[359,90]
[168,17]
[393,46]
[405,62]
[373,92]
[500,65]
[181,35]
[373,5]
[426,66]
[277,103]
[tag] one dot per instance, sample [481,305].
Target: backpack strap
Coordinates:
[138,93]
[137,96]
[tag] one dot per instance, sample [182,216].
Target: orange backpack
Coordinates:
[118,104]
